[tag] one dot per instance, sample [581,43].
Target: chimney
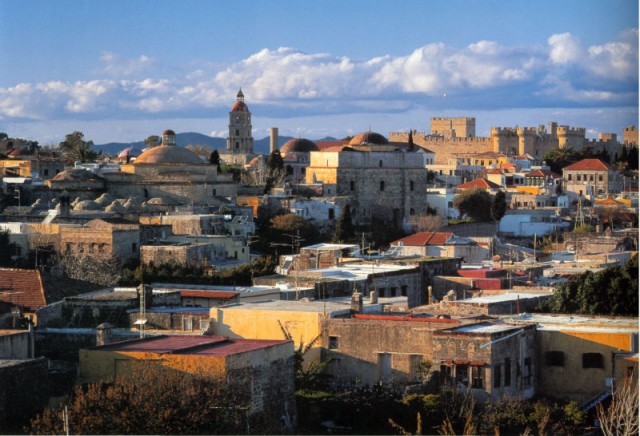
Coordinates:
[32,345]
[356,302]
[65,205]
[273,144]
[104,334]
[429,294]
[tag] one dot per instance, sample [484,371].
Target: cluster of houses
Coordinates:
[436,308]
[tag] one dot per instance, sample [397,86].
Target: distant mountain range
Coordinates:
[260,146]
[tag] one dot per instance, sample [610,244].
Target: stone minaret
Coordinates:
[240,140]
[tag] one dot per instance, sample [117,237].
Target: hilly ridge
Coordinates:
[260,146]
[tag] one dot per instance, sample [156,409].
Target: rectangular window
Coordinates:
[569,177]
[477,380]
[592,360]
[497,376]
[333,343]
[591,177]
[403,290]
[554,358]
[507,371]
[352,185]
[411,185]
[462,375]
[527,372]
[382,185]
[446,376]
[134,247]
[599,177]
[578,178]
[332,213]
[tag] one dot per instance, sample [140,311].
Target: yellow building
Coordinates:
[267,319]
[580,356]
[264,368]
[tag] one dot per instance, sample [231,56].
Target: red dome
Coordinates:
[299,145]
[240,106]
[371,138]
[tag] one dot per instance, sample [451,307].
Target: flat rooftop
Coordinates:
[562,322]
[333,306]
[355,272]
[484,328]
[502,298]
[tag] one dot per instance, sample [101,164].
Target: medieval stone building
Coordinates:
[374,174]
[170,172]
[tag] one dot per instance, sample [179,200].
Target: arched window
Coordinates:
[411,185]
[352,185]
[412,211]
[382,185]
[380,163]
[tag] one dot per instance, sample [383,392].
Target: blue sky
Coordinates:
[123,70]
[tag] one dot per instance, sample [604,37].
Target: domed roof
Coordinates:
[372,138]
[299,145]
[168,132]
[240,106]
[130,152]
[76,174]
[87,205]
[168,154]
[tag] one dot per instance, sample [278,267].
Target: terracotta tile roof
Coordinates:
[481,183]
[588,165]
[494,171]
[424,238]
[543,173]
[322,145]
[22,287]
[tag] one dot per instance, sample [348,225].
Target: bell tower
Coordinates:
[240,140]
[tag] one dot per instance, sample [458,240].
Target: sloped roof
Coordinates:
[481,183]
[588,165]
[196,293]
[424,238]
[22,287]
[542,173]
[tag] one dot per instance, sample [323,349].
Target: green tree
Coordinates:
[6,248]
[152,141]
[612,291]
[75,148]
[151,400]
[475,203]
[214,159]
[499,206]
[345,230]
[288,231]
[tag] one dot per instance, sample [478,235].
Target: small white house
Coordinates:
[531,223]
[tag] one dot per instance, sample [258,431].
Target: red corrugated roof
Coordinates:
[222,295]
[190,345]
[22,287]
[481,183]
[588,165]
[425,238]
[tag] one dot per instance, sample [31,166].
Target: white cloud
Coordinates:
[115,66]
[565,49]
[482,73]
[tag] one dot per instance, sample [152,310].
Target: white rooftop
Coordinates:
[577,323]
[359,271]
[500,298]
[485,328]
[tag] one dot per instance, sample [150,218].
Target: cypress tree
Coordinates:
[344,227]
